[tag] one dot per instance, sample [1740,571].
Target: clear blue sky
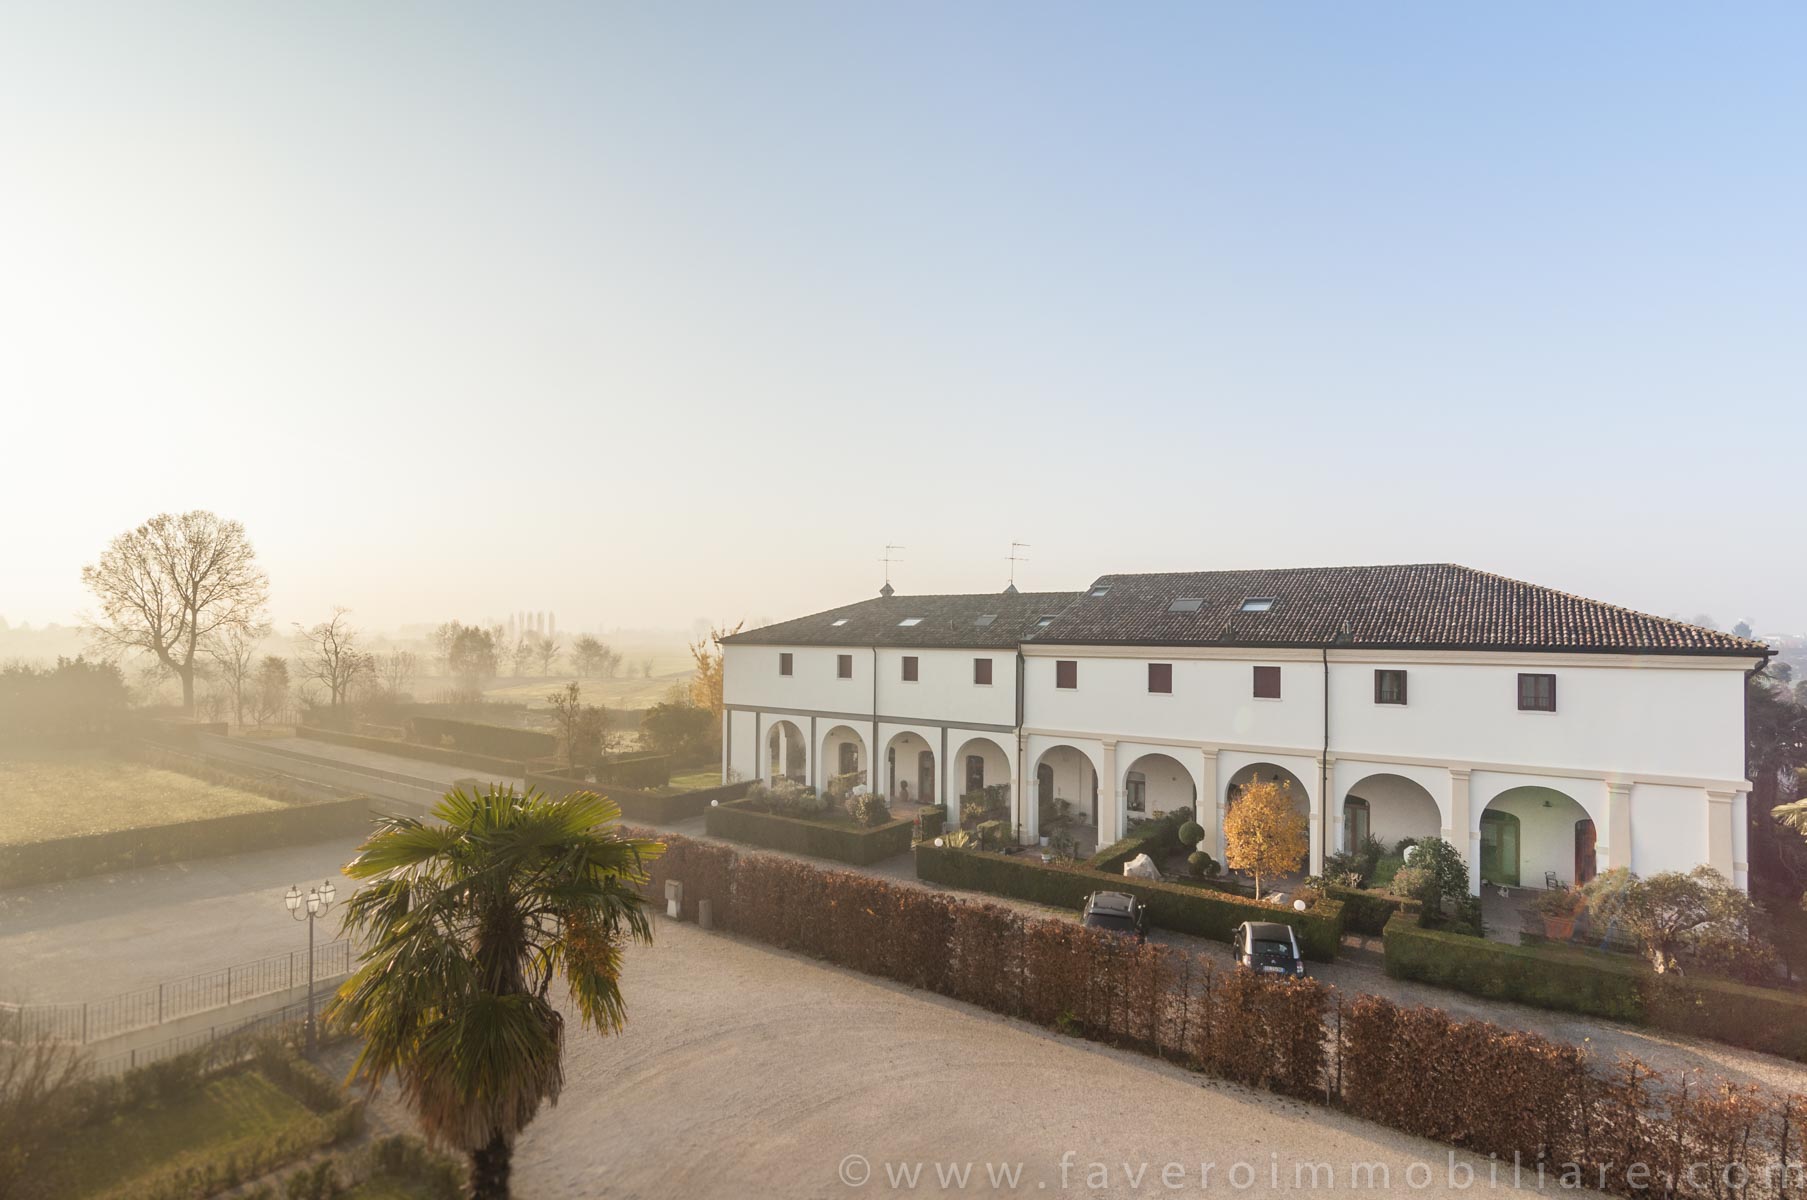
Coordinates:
[655,311]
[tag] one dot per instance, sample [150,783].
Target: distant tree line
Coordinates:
[74,700]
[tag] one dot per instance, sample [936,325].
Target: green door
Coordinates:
[1499,848]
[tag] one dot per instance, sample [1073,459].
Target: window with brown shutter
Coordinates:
[1066,673]
[909,668]
[1537,693]
[1389,687]
[843,666]
[1267,683]
[1160,677]
[784,664]
[982,670]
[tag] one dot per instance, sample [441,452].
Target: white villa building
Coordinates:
[1545,735]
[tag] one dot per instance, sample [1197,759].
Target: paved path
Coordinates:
[87,939]
[748,1072]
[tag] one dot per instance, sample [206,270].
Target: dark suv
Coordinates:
[1115,912]
[1268,947]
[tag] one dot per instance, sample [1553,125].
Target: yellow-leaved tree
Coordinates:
[1263,833]
[706,684]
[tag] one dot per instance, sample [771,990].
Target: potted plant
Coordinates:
[1559,909]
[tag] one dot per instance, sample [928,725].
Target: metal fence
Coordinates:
[294,1016]
[95,1021]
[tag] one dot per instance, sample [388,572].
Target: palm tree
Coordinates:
[468,921]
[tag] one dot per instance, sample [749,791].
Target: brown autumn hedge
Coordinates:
[1469,1084]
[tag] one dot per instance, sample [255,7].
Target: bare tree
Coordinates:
[174,584]
[332,656]
[583,728]
[523,655]
[40,1102]
[397,670]
[646,669]
[234,655]
[545,648]
[270,699]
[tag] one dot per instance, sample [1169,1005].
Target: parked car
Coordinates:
[1115,912]
[1268,947]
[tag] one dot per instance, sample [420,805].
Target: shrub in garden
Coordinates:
[1200,865]
[868,809]
[1263,833]
[1191,833]
[1671,914]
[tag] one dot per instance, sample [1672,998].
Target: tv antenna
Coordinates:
[888,560]
[1016,558]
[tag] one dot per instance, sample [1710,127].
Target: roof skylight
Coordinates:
[1257,604]
[1098,593]
[908,621]
[839,621]
[1186,604]
[1045,622]
[985,619]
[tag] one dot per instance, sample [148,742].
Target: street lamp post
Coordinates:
[301,908]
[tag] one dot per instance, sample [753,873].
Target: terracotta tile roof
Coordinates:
[944,621]
[1413,606]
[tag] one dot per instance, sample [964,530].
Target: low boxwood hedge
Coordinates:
[818,839]
[502,768]
[654,807]
[1154,839]
[1368,912]
[1172,906]
[1573,979]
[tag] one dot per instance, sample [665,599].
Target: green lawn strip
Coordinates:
[69,795]
[385,1187]
[235,1110]
[692,781]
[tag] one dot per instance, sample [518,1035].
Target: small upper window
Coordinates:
[985,619]
[1044,622]
[843,666]
[839,621]
[1186,604]
[909,668]
[1066,673]
[1257,604]
[982,670]
[1537,693]
[1267,683]
[908,621]
[1389,687]
[1098,593]
[784,663]
[1160,677]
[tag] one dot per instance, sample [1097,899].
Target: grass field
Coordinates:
[82,792]
[691,781]
[237,1109]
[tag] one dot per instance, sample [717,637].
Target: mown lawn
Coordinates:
[237,1109]
[386,1188]
[82,792]
[694,781]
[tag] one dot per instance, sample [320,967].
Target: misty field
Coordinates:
[75,793]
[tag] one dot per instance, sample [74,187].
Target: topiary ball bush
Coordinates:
[1191,833]
[1200,865]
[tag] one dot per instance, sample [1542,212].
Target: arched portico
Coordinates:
[844,753]
[1389,807]
[910,770]
[1535,836]
[977,764]
[786,753]
[1064,772]
[1156,782]
[1303,798]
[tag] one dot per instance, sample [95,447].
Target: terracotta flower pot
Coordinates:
[1559,929]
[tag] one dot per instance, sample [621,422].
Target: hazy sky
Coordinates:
[647,312]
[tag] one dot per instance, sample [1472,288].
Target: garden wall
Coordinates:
[126,849]
[1571,979]
[819,839]
[1524,1099]
[1174,906]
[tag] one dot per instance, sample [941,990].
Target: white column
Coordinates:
[784,753]
[1212,802]
[1023,796]
[727,743]
[1721,814]
[1741,854]
[1461,832]
[1110,798]
[1613,844]
[1315,864]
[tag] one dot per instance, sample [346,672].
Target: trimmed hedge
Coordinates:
[1153,839]
[930,821]
[504,768]
[818,839]
[1571,979]
[1368,912]
[474,737]
[643,771]
[642,806]
[127,849]
[1173,906]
